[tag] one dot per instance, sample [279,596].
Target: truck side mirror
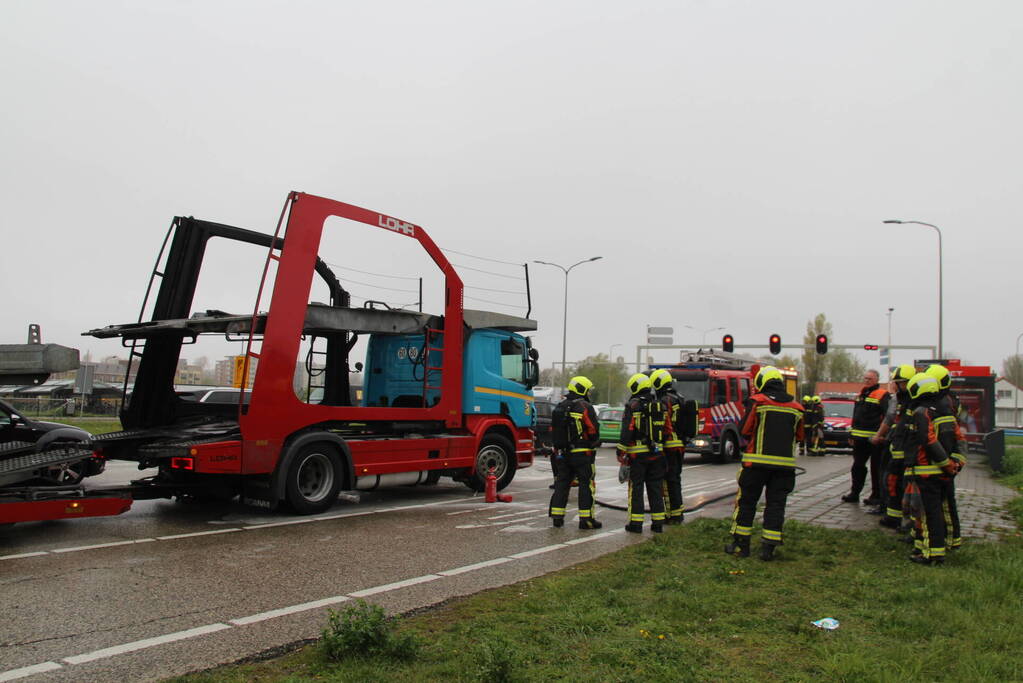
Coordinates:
[534,354]
[532,374]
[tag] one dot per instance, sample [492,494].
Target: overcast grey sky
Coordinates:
[731,161]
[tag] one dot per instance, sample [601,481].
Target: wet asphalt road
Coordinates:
[169,588]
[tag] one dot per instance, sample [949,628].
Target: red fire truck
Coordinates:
[720,382]
[443,395]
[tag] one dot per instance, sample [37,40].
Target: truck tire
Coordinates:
[498,453]
[314,479]
[729,450]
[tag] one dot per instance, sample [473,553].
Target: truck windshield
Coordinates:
[838,408]
[694,388]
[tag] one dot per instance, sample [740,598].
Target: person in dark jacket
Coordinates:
[576,461]
[772,426]
[673,441]
[892,436]
[639,446]
[868,412]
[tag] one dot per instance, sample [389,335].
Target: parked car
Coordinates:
[21,437]
[610,424]
[542,429]
[837,423]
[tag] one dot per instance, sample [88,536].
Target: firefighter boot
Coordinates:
[851,498]
[589,523]
[657,527]
[677,519]
[767,551]
[558,521]
[738,547]
[634,527]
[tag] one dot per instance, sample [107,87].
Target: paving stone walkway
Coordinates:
[817,500]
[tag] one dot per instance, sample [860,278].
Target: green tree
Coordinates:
[1012,369]
[815,366]
[844,367]
[608,378]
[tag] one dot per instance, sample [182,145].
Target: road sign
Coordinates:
[83,379]
[884,355]
[668,341]
[239,370]
[660,332]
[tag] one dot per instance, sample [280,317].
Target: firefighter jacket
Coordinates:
[583,427]
[925,456]
[674,432]
[868,411]
[772,424]
[950,436]
[814,415]
[642,426]
[897,425]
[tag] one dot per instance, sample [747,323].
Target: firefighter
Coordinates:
[868,412]
[804,445]
[673,442]
[639,448]
[950,437]
[929,466]
[575,417]
[772,425]
[814,427]
[891,437]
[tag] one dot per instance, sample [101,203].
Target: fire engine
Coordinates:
[443,395]
[720,382]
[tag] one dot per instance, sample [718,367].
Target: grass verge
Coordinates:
[677,609]
[96,425]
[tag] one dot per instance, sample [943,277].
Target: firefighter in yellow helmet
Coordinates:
[804,445]
[892,434]
[813,426]
[679,427]
[576,435]
[772,425]
[639,447]
[950,436]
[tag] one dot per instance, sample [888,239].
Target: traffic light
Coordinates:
[870,347]
[727,343]
[822,343]
[775,344]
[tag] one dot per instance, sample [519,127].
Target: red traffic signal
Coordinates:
[727,343]
[775,344]
[822,343]
[870,347]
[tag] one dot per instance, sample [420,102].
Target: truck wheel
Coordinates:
[498,453]
[729,448]
[314,479]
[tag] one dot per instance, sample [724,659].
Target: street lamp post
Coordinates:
[940,279]
[609,363]
[564,330]
[890,310]
[703,342]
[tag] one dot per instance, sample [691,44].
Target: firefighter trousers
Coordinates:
[932,534]
[894,489]
[950,510]
[571,466]
[865,452]
[752,482]
[646,471]
[673,482]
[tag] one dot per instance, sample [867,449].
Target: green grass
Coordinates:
[676,608]
[96,425]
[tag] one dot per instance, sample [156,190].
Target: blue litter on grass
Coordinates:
[828,624]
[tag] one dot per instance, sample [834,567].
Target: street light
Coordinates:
[890,311]
[936,229]
[703,342]
[564,329]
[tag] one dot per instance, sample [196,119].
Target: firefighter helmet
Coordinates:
[903,373]
[807,399]
[660,378]
[638,383]
[816,399]
[765,375]
[921,383]
[580,385]
[940,373]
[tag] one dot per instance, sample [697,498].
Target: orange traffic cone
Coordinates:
[490,490]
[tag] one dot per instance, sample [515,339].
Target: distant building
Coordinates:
[223,371]
[1008,404]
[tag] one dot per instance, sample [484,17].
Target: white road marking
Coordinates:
[20,555]
[174,537]
[283,611]
[515,514]
[392,586]
[15,674]
[537,551]
[102,545]
[290,522]
[146,643]
[473,567]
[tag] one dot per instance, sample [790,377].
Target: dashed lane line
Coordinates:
[134,646]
